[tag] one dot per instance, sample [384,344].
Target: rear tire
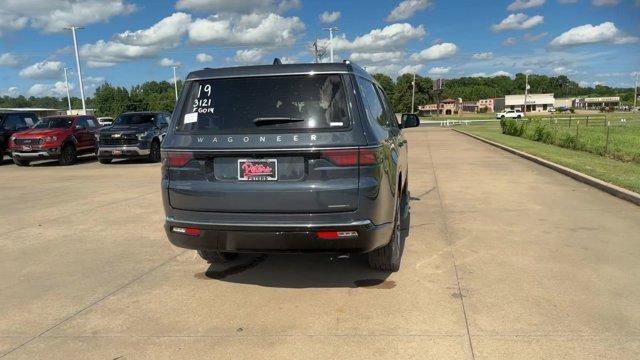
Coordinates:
[20,162]
[388,257]
[154,151]
[68,155]
[216,257]
[105,161]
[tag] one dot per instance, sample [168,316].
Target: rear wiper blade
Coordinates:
[275,120]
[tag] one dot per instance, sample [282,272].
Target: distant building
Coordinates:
[565,103]
[595,103]
[445,107]
[535,102]
[491,104]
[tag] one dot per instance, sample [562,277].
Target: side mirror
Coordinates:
[409,121]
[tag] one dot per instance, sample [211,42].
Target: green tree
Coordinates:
[387,84]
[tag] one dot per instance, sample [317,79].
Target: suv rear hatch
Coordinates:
[278,144]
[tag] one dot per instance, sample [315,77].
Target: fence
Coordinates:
[615,136]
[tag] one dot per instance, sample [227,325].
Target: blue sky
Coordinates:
[126,42]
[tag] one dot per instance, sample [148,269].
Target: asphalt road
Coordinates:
[505,260]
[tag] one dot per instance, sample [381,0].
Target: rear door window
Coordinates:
[264,104]
[373,107]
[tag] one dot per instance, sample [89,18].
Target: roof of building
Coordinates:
[279,69]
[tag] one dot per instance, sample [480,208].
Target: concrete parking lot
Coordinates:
[505,260]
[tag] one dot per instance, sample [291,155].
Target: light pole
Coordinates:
[331,30]
[635,96]
[526,92]
[75,46]
[175,81]
[413,94]
[66,81]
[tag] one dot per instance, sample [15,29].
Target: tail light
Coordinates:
[352,157]
[186,231]
[177,158]
[336,234]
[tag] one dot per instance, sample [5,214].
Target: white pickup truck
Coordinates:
[510,114]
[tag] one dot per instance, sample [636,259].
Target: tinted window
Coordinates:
[392,120]
[374,108]
[135,119]
[53,123]
[82,123]
[13,122]
[91,122]
[260,104]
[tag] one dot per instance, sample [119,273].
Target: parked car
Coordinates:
[133,135]
[12,122]
[55,137]
[510,114]
[105,121]
[552,109]
[287,158]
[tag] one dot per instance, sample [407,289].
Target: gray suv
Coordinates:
[287,158]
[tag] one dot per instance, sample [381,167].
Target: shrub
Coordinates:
[568,141]
[482,110]
[542,133]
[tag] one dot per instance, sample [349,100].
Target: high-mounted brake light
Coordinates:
[186,231]
[351,157]
[177,158]
[336,234]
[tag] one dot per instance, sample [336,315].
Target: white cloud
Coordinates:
[57,89]
[390,37]
[100,64]
[483,56]
[252,29]
[410,69]
[567,1]
[525,4]
[583,84]
[129,45]
[238,6]
[407,8]
[43,70]
[436,52]
[479,74]
[204,58]
[9,60]
[329,17]
[167,62]
[11,22]
[439,70]
[249,56]
[13,91]
[387,69]
[606,32]
[561,70]
[376,57]
[289,59]
[528,37]
[167,31]
[605,2]
[501,73]
[518,21]
[510,41]
[54,15]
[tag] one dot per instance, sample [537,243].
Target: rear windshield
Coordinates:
[53,123]
[134,119]
[262,104]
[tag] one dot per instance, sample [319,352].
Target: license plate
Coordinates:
[116,152]
[26,148]
[257,169]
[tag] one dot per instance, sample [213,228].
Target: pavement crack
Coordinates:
[450,242]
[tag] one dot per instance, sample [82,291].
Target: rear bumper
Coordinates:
[107,152]
[279,238]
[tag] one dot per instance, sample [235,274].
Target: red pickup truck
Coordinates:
[55,137]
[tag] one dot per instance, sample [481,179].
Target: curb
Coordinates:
[614,190]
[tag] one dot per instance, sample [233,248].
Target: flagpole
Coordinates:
[526,93]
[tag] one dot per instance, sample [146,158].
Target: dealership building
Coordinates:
[595,103]
[535,102]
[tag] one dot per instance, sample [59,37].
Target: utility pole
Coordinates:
[315,49]
[331,30]
[175,82]
[413,94]
[66,81]
[75,46]
[635,97]
[526,92]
